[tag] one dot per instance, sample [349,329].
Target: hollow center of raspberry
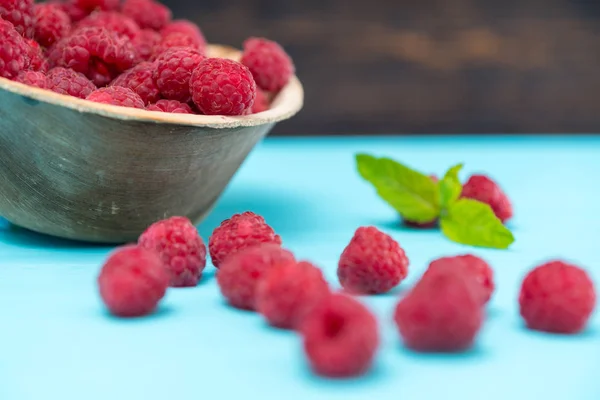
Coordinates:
[333,325]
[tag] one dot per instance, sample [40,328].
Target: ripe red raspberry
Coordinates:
[114,21]
[116,96]
[372,263]
[239,232]
[19,13]
[181,248]
[140,79]
[170,106]
[132,281]
[222,87]
[144,43]
[72,9]
[95,52]
[33,78]
[473,267]
[423,225]
[14,51]
[261,102]
[51,23]
[240,274]
[270,65]
[485,190]
[92,5]
[287,294]
[187,28]
[147,13]
[557,297]
[173,71]
[37,60]
[174,40]
[340,337]
[66,81]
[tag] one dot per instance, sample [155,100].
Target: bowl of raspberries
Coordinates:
[113,114]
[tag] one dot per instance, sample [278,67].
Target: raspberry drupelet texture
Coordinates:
[187,28]
[222,87]
[14,51]
[485,190]
[173,71]
[66,81]
[113,21]
[372,263]
[240,274]
[20,13]
[270,65]
[175,40]
[144,43]
[98,53]
[51,23]
[33,78]
[340,337]
[37,60]
[180,247]
[261,102]
[170,106]
[72,9]
[148,14]
[132,281]
[239,232]
[557,297]
[88,6]
[423,225]
[287,294]
[116,96]
[442,313]
[140,79]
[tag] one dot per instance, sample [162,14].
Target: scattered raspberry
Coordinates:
[145,42]
[140,79]
[92,5]
[170,106]
[372,263]
[113,21]
[423,225]
[287,294]
[173,70]
[239,232]
[95,52]
[187,28]
[37,60]
[116,96]
[66,81]
[261,102]
[240,274]
[340,337]
[51,23]
[270,65]
[33,78]
[222,87]
[72,9]
[14,51]
[147,13]
[181,248]
[557,297]
[20,14]
[441,313]
[173,40]
[473,266]
[485,190]
[132,281]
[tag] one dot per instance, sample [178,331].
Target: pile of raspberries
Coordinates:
[132,54]
[442,312]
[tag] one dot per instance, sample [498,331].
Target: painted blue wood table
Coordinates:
[58,343]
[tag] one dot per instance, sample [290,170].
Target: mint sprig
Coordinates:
[417,198]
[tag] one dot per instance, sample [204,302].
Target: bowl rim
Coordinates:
[288,102]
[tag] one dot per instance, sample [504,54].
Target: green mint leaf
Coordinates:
[473,223]
[450,186]
[412,194]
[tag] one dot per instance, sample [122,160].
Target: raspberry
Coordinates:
[14,51]
[340,337]
[372,263]
[147,13]
[287,294]
[33,78]
[19,13]
[170,106]
[239,232]
[116,96]
[140,79]
[95,52]
[72,9]
[37,60]
[557,297]
[132,281]
[91,5]
[115,22]
[240,274]
[441,313]
[173,70]
[51,23]
[66,81]
[173,40]
[473,267]
[187,28]
[222,87]
[270,65]
[423,225]
[485,190]
[181,248]
[261,102]
[145,42]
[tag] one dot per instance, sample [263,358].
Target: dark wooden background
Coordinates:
[427,66]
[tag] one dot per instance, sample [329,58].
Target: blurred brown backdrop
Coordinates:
[427,66]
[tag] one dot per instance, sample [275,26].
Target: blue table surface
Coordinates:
[59,343]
